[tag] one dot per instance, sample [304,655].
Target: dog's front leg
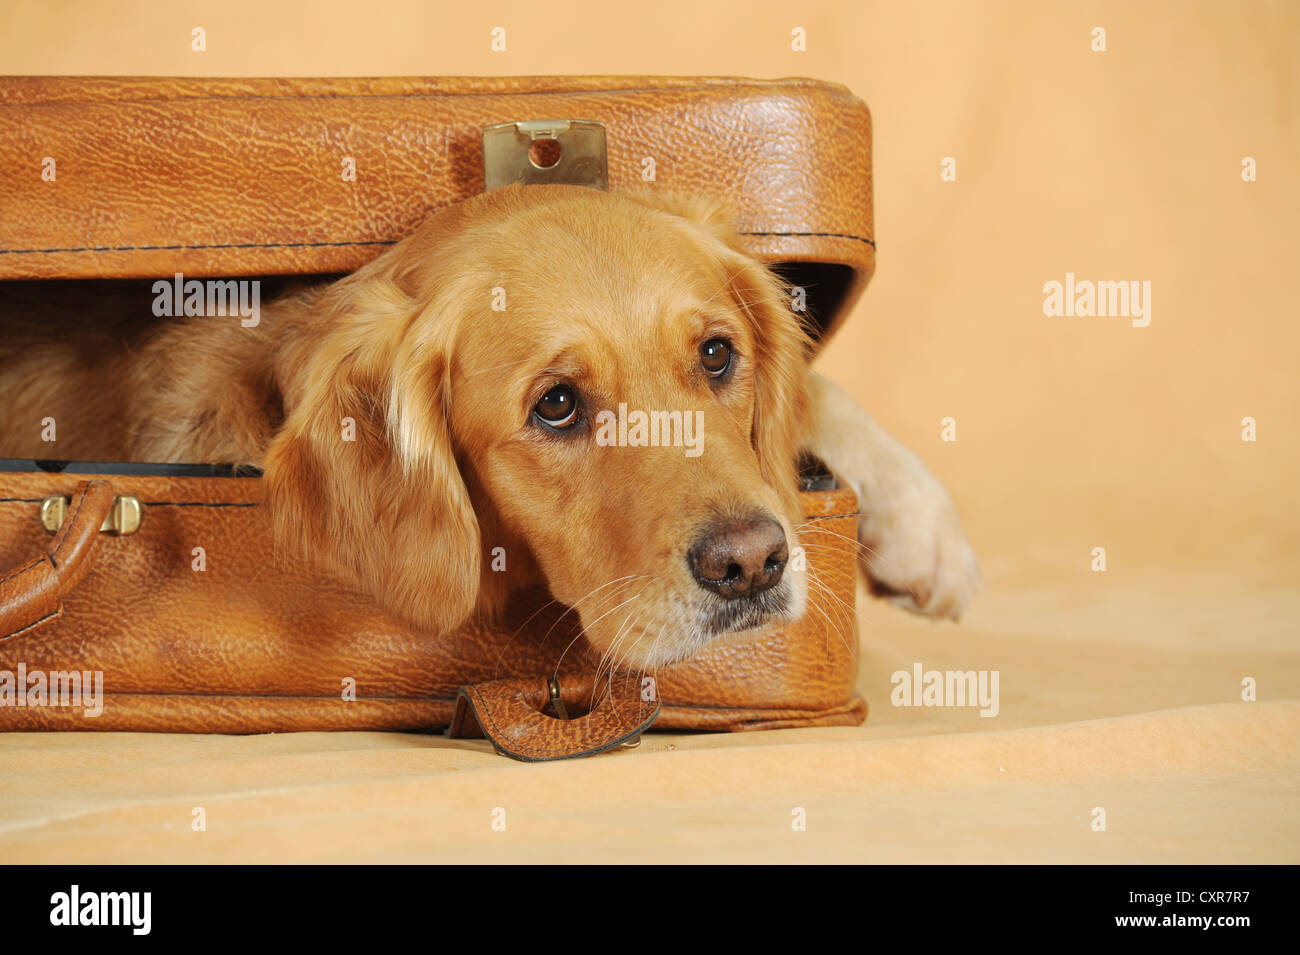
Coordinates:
[913,551]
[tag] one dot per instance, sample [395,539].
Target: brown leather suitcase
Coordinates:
[122,179]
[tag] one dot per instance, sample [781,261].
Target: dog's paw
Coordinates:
[914,552]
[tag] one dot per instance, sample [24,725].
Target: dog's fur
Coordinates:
[612,294]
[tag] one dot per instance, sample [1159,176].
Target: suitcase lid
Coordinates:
[145,177]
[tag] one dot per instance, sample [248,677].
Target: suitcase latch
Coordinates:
[123,517]
[566,151]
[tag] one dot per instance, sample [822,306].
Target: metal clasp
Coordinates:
[556,704]
[123,517]
[567,151]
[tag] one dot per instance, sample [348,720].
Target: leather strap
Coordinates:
[32,594]
[509,713]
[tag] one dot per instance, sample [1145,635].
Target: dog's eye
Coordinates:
[715,356]
[558,407]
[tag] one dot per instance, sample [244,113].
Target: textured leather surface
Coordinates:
[244,177]
[257,642]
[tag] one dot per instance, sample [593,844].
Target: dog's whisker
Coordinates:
[607,656]
[618,660]
[584,630]
[568,610]
[595,681]
[624,632]
[520,629]
[843,619]
[840,603]
[861,546]
[813,573]
[620,581]
[650,655]
[836,550]
[831,625]
[816,586]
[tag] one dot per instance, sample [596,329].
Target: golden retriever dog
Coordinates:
[604,386]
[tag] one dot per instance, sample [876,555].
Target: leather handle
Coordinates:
[509,713]
[32,594]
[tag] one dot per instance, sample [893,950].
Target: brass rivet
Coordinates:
[53,510]
[124,516]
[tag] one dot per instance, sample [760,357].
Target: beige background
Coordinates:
[1073,433]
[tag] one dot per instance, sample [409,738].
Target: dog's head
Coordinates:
[552,384]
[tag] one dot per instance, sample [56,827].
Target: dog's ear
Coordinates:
[362,476]
[781,356]
[781,341]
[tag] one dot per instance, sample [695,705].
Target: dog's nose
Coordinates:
[737,558]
